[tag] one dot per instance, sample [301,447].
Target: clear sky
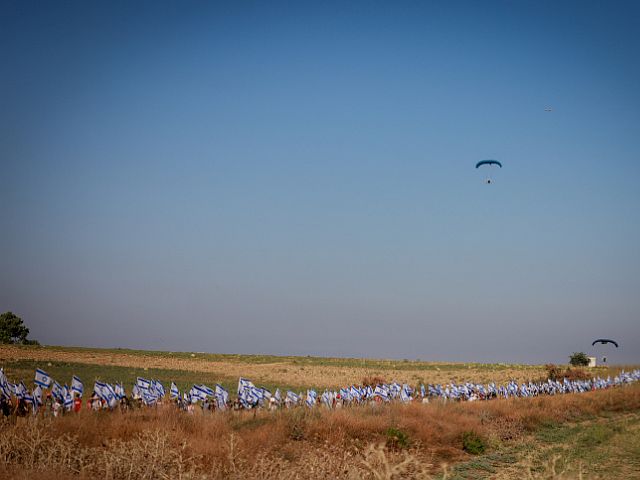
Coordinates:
[298,178]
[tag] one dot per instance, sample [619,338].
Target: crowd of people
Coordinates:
[49,398]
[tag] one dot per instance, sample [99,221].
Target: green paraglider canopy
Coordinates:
[488,162]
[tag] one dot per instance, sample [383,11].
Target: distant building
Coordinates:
[592,362]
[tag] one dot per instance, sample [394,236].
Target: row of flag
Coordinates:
[251,396]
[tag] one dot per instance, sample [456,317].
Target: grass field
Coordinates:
[590,435]
[268,371]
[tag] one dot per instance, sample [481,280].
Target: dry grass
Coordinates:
[346,443]
[282,371]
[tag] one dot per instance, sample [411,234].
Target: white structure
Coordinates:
[592,362]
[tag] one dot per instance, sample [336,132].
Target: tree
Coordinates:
[13,330]
[579,359]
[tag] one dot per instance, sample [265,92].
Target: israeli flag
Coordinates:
[42,379]
[355,393]
[394,389]
[326,399]
[258,393]
[311,398]
[112,398]
[68,398]
[98,389]
[21,390]
[369,391]
[5,389]
[222,397]
[381,392]
[56,392]
[405,393]
[174,392]
[37,395]
[77,386]
[344,393]
[28,397]
[149,398]
[158,388]
[293,397]
[205,391]
[278,395]
[143,384]
[200,392]
[119,391]
[243,386]
[106,393]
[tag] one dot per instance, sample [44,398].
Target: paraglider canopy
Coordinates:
[488,162]
[604,341]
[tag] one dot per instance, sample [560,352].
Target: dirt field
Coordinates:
[296,371]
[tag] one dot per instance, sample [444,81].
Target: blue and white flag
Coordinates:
[77,386]
[106,392]
[204,391]
[158,388]
[244,384]
[381,392]
[327,399]
[293,397]
[174,392]
[394,390]
[42,379]
[20,390]
[405,393]
[5,389]
[37,395]
[354,393]
[119,391]
[56,392]
[67,398]
[345,395]
[143,384]
[311,398]
[278,395]
[222,397]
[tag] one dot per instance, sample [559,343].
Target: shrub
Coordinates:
[554,372]
[372,381]
[296,425]
[579,359]
[472,443]
[397,439]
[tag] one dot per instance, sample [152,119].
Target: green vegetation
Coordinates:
[397,439]
[472,443]
[13,330]
[605,446]
[373,364]
[23,370]
[579,359]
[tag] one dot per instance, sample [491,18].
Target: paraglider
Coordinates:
[488,164]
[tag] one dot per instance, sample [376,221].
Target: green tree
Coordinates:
[579,359]
[13,330]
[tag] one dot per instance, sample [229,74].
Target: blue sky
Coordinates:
[298,178]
